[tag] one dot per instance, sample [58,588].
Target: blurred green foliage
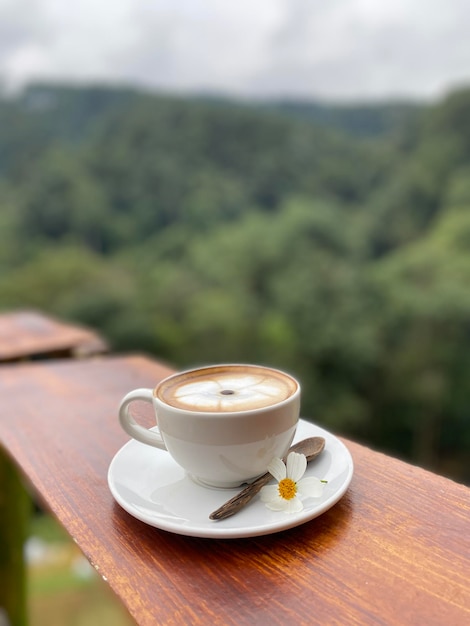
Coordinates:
[329,241]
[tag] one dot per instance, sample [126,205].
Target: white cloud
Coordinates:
[212,45]
[311,48]
[364,48]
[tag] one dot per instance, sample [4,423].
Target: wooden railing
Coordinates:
[31,335]
[394,550]
[25,336]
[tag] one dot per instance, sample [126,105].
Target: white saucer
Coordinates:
[149,485]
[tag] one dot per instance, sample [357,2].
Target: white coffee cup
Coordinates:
[223,423]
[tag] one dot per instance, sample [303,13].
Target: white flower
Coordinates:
[291,487]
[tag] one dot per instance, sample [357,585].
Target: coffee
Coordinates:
[227,388]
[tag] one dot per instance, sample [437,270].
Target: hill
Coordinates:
[329,241]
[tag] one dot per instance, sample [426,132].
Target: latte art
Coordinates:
[227,388]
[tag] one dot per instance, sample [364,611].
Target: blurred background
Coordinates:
[284,182]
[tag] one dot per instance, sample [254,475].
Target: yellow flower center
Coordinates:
[287,488]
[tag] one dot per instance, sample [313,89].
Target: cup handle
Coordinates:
[132,428]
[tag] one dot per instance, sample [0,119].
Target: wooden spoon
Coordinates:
[311,447]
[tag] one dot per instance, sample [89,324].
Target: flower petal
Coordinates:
[277,469]
[310,486]
[294,506]
[296,466]
[269,493]
[278,505]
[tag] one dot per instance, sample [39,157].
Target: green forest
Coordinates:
[331,241]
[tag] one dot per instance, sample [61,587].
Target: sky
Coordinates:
[336,50]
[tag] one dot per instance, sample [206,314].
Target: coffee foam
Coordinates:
[227,388]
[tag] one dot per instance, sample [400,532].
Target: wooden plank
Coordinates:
[31,334]
[394,550]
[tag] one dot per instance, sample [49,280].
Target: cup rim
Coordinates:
[219,414]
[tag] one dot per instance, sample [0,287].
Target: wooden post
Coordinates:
[14,514]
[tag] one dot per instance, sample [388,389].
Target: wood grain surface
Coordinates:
[25,334]
[394,550]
